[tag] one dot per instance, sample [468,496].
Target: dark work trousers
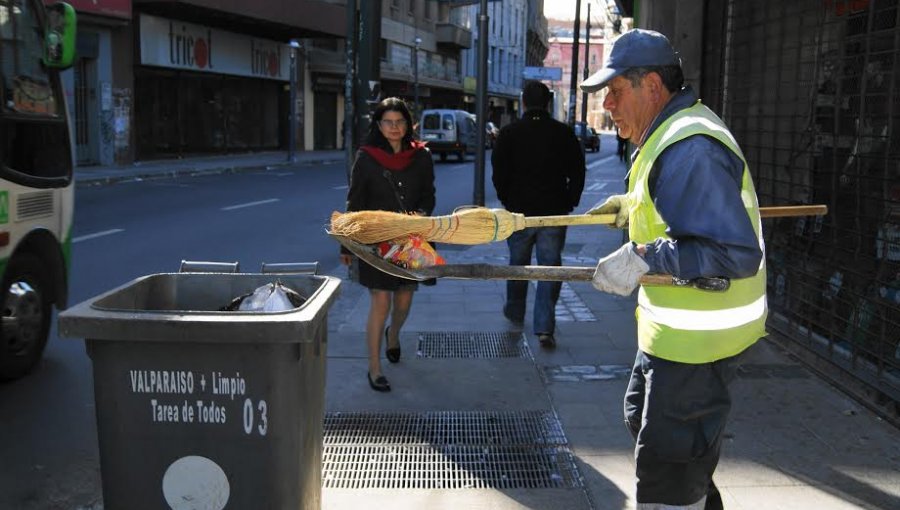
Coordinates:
[548,243]
[677,413]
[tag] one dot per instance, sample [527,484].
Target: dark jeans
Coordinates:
[549,243]
[676,413]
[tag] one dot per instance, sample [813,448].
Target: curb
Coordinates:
[192,172]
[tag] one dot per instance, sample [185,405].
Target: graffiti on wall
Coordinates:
[121,123]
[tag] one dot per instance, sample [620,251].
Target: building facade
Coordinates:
[213,77]
[174,78]
[537,37]
[560,55]
[160,79]
[419,47]
[507,37]
[99,84]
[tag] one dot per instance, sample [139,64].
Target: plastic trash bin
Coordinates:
[203,409]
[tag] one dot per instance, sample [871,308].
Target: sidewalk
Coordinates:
[203,165]
[793,442]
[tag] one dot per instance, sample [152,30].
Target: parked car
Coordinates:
[591,137]
[449,132]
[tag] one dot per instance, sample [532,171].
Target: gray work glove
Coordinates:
[616,204]
[620,272]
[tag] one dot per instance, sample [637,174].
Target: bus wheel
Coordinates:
[24,317]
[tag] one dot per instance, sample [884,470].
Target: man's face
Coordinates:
[632,108]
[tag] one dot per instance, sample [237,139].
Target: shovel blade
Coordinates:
[368,253]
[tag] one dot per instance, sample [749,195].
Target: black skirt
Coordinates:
[372,278]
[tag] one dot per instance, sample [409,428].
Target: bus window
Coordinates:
[26,84]
[34,149]
[34,135]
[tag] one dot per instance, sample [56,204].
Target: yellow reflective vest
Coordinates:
[680,323]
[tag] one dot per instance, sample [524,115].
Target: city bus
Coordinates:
[36,188]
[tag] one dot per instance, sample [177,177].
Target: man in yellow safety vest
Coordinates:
[691,211]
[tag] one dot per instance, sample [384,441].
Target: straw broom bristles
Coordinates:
[477,225]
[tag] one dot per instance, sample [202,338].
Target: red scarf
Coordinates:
[394,161]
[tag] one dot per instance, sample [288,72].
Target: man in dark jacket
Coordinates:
[538,170]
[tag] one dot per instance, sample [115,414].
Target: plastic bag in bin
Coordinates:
[271,297]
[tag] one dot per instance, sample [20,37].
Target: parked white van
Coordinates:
[449,131]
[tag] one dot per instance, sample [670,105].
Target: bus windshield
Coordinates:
[34,135]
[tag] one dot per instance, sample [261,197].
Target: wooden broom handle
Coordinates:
[608,219]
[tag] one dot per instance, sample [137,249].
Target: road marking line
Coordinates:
[284,174]
[595,186]
[249,204]
[341,187]
[601,161]
[97,234]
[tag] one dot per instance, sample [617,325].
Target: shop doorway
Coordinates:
[325,121]
[86,113]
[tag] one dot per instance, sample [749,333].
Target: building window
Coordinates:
[412,7]
[429,9]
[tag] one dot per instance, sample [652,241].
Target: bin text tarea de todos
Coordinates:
[183,382]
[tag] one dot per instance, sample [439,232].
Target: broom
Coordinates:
[481,225]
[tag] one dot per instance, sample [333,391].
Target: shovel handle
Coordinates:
[609,219]
[557,274]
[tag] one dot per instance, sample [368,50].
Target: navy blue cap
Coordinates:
[636,48]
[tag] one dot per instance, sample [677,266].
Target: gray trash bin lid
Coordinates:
[178,307]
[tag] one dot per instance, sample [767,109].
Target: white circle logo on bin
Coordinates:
[195,483]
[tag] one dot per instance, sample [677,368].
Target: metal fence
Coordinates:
[811,90]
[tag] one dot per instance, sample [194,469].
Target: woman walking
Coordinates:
[392,172]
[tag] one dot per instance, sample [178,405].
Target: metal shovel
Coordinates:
[367,253]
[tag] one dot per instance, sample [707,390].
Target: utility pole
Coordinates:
[573,87]
[481,102]
[292,108]
[349,127]
[368,75]
[417,111]
[584,96]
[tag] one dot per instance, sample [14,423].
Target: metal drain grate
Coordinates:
[447,450]
[445,344]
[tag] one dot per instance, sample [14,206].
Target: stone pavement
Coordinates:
[793,441]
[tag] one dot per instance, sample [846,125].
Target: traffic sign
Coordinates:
[543,73]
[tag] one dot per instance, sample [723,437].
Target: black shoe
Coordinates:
[515,319]
[380,383]
[391,353]
[547,341]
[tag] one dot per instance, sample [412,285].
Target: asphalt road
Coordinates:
[48,443]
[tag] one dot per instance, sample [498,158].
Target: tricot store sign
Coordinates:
[180,45]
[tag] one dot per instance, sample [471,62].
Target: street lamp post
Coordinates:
[418,42]
[292,123]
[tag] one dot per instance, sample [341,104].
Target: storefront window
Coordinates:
[193,113]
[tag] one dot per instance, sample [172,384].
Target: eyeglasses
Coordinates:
[385,123]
